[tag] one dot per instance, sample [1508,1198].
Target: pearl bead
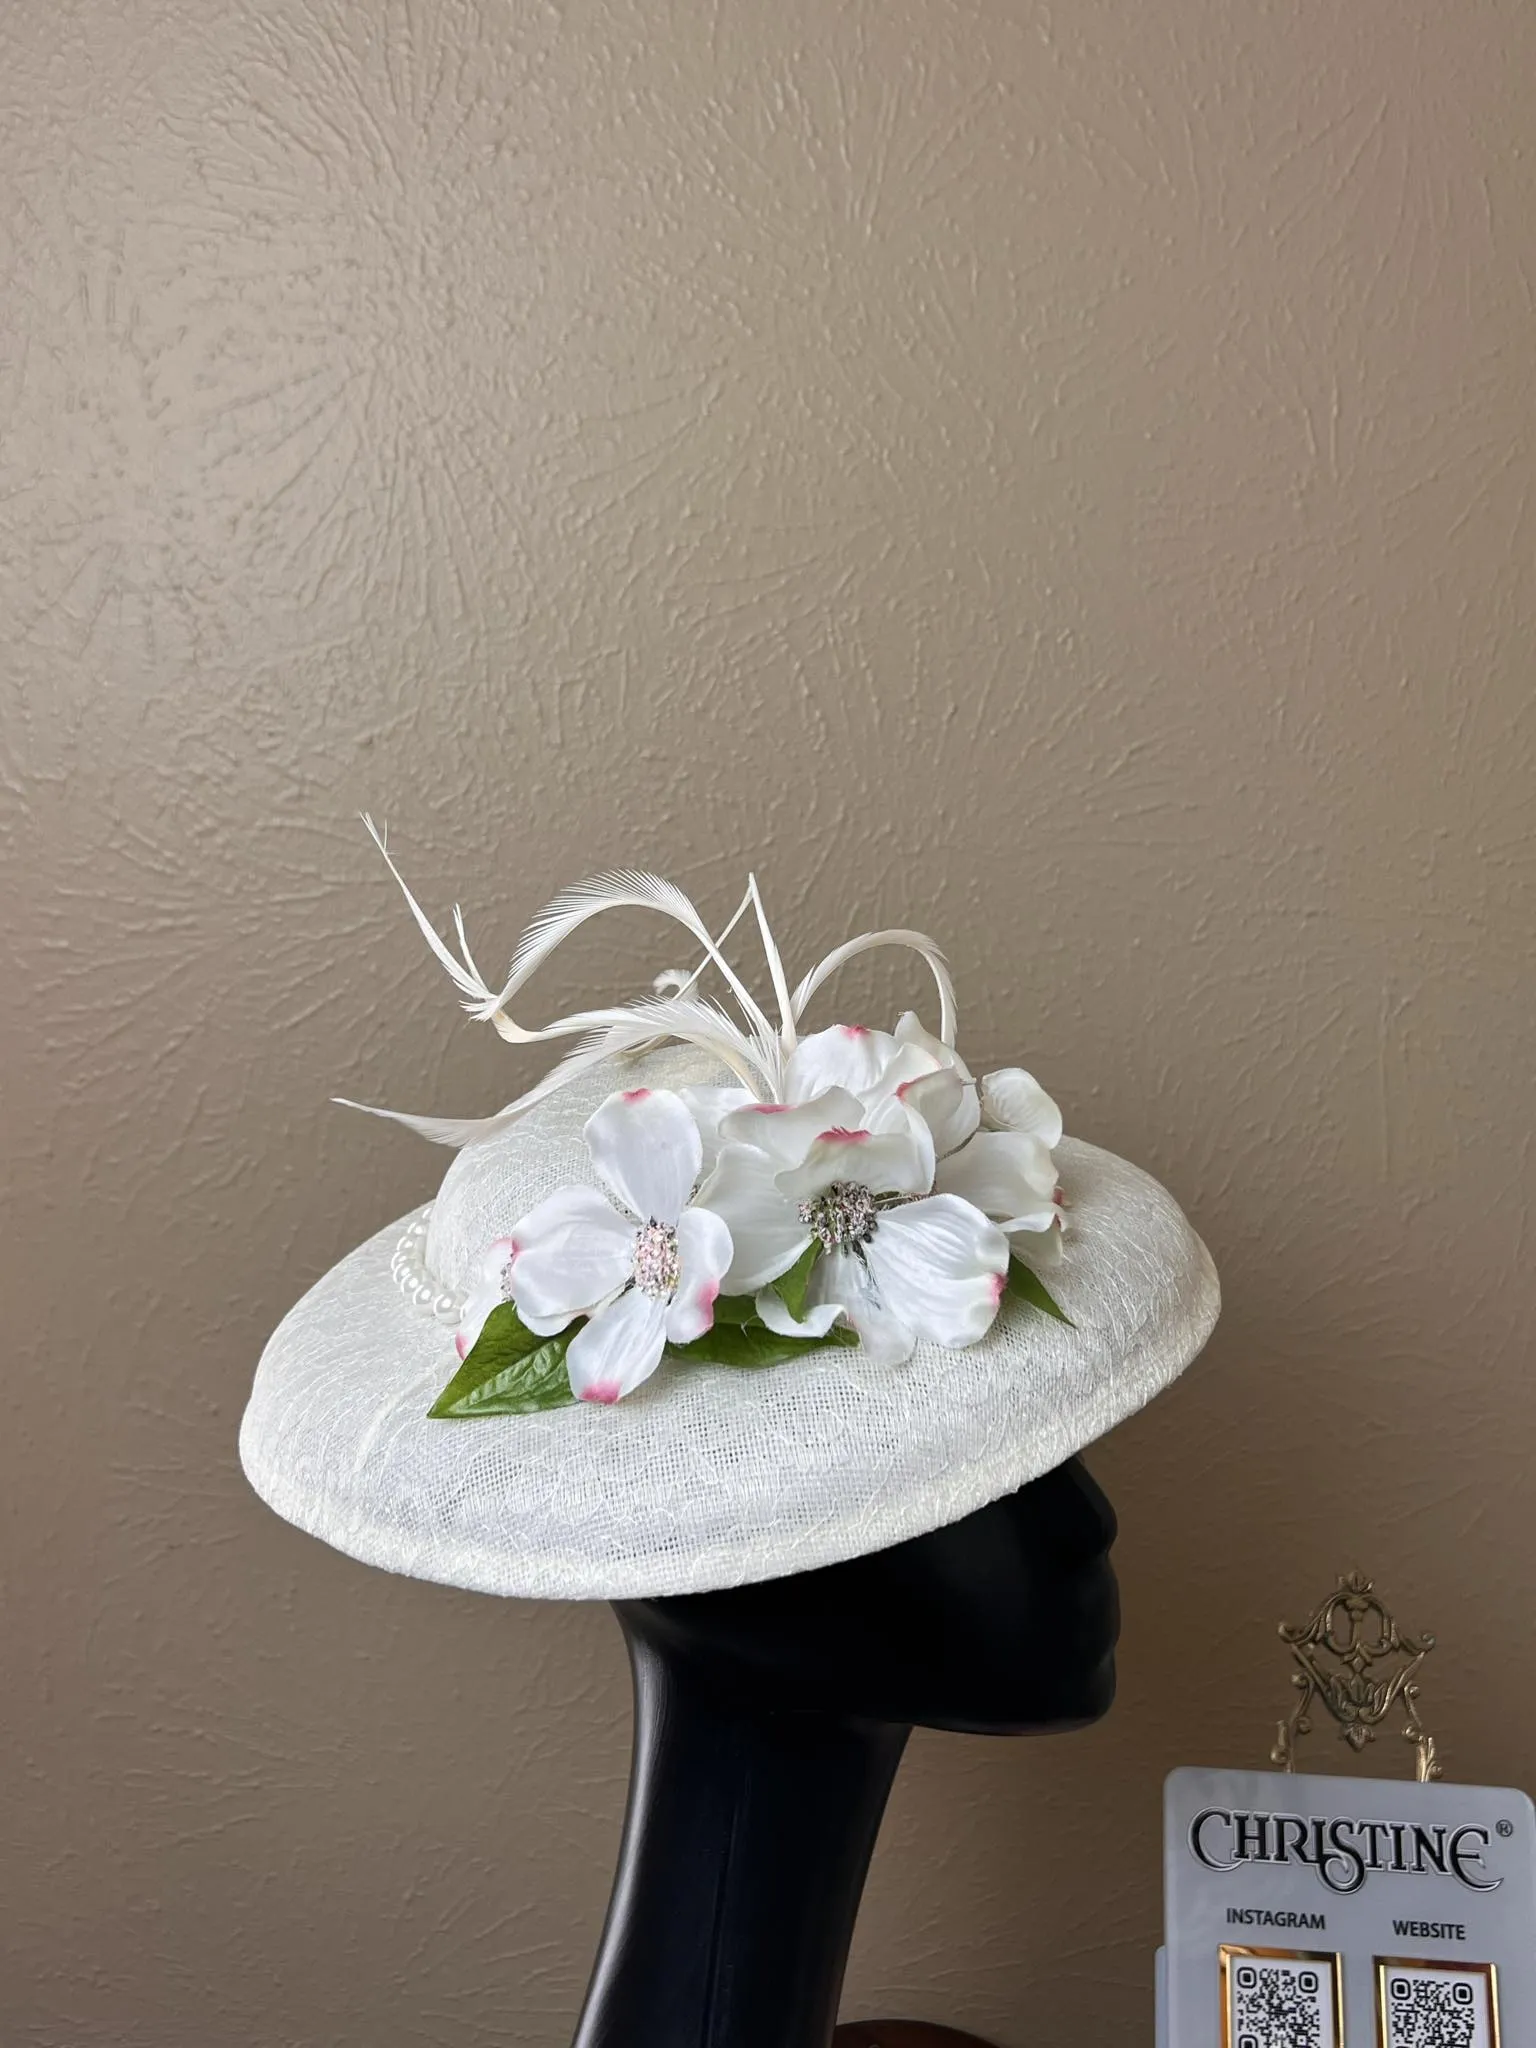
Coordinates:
[410,1273]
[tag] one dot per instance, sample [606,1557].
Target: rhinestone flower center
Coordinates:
[658,1263]
[843,1216]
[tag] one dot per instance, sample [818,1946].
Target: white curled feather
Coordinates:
[755,1051]
[914,942]
[619,890]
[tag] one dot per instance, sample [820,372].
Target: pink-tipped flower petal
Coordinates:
[936,1265]
[573,1251]
[785,1131]
[704,1258]
[646,1150]
[618,1349]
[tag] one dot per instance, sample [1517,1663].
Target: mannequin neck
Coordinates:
[746,1842]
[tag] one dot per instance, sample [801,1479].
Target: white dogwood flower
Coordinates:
[993,1142]
[641,1262]
[868,1066]
[1019,1121]
[902,1264]
[1012,1100]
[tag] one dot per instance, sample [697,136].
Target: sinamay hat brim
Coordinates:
[707,1476]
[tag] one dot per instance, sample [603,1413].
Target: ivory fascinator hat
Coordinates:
[722,1298]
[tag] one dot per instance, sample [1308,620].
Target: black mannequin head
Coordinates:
[1002,1623]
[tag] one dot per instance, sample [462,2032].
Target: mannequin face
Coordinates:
[1003,1623]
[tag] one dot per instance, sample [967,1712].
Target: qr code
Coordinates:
[1436,2005]
[1280,2001]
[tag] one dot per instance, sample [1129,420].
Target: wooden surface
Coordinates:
[903,2034]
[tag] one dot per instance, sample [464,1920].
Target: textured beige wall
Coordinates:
[1060,474]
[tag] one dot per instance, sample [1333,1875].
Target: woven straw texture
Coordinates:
[705,1477]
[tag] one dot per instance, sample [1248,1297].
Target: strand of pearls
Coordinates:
[408,1270]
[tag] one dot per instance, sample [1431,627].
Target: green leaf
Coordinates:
[1025,1284]
[509,1371]
[790,1287]
[736,1308]
[753,1345]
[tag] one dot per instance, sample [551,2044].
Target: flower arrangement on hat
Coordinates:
[849,1186]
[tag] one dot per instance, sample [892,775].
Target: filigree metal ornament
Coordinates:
[1355,1659]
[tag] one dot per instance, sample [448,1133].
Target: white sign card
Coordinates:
[1347,1913]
